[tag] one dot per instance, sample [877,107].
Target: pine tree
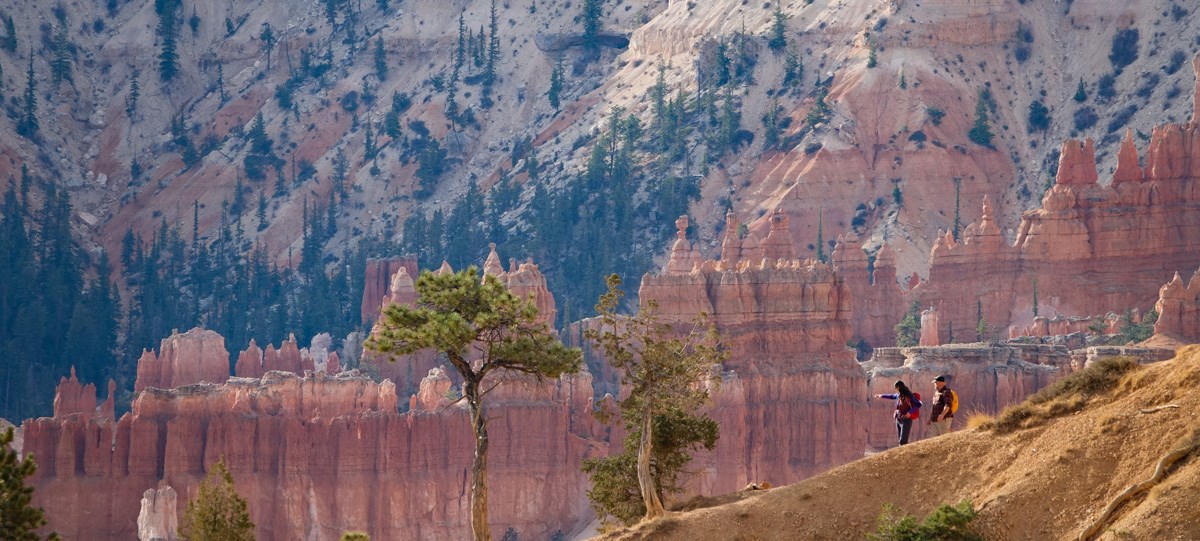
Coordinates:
[957,194]
[981,133]
[60,63]
[261,213]
[592,9]
[793,70]
[454,311]
[19,519]
[872,59]
[1081,92]
[369,150]
[908,331]
[556,85]
[1035,296]
[771,124]
[10,38]
[778,40]
[28,125]
[493,50]
[168,59]
[821,237]
[131,99]
[268,39]
[221,83]
[217,512]
[381,68]
[981,326]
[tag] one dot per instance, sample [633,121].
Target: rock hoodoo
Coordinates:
[1179,309]
[196,356]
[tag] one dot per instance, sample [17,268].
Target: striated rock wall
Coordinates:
[316,456]
[196,356]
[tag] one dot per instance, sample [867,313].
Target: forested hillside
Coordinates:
[232,164]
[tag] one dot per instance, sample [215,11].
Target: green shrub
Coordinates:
[946,523]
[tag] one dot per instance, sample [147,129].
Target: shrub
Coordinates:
[1122,117]
[1039,116]
[946,523]
[1124,48]
[1085,118]
[935,115]
[1106,87]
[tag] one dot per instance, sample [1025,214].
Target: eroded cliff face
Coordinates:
[791,387]
[316,456]
[1089,249]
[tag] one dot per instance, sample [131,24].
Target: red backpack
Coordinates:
[914,408]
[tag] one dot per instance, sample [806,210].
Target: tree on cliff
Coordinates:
[217,513]
[908,331]
[667,374]
[485,333]
[19,519]
[981,132]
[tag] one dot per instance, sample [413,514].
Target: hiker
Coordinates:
[945,401]
[907,407]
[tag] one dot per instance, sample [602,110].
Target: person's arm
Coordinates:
[888,396]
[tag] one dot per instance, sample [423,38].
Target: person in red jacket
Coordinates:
[906,406]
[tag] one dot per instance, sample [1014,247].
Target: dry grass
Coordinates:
[1068,395]
[978,418]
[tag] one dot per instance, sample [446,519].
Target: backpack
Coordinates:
[953,402]
[914,410]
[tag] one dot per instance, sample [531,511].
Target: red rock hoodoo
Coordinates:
[1179,309]
[196,356]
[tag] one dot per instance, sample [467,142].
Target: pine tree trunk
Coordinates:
[479,495]
[654,506]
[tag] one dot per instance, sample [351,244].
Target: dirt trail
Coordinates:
[1048,482]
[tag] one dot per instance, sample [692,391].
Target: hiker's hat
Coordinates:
[940,378]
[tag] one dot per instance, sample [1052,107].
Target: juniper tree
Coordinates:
[666,373]
[485,333]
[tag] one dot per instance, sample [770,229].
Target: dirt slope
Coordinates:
[1048,482]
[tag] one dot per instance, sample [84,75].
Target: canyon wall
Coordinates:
[316,456]
[792,392]
[1090,249]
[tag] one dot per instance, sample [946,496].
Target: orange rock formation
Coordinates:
[196,356]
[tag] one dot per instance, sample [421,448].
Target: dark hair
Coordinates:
[903,389]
